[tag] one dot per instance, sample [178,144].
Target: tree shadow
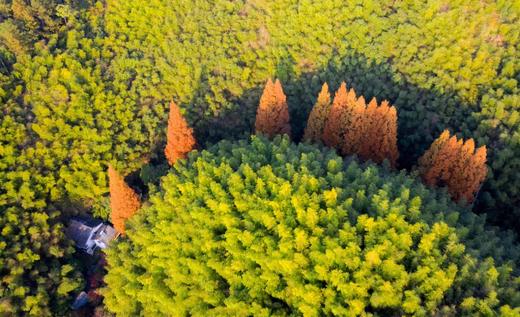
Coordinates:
[422,113]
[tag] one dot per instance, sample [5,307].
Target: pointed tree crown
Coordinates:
[318,116]
[272,115]
[124,202]
[456,164]
[333,130]
[370,131]
[180,139]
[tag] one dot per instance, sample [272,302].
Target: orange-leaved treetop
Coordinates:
[318,116]
[272,116]
[435,164]
[366,150]
[470,171]
[124,201]
[388,148]
[370,131]
[354,123]
[380,135]
[180,139]
[333,131]
[455,164]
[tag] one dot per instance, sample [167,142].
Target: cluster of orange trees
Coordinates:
[349,125]
[352,126]
[455,164]
[124,201]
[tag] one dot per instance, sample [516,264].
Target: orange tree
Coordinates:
[179,137]
[318,116]
[454,163]
[272,116]
[124,202]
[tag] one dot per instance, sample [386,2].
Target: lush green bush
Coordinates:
[272,228]
[37,275]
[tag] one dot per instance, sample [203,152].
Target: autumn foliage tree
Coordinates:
[352,127]
[180,139]
[380,133]
[333,132]
[456,164]
[318,116]
[272,116]
[124,202]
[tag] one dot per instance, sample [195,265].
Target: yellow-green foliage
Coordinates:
[443,64]
[272,228]
[26,22]
[37,275]
[97,92]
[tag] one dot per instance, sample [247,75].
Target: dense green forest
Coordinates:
[265,228]
[85,84]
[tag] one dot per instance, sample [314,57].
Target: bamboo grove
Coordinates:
[85,85]
[349,125]
[268,227]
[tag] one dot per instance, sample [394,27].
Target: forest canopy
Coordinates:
[97,91]
[443,66]
[88,84]
[273,228]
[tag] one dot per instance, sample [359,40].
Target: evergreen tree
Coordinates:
[272,116]
[180,139]
[38,276]
[318,116]
[124,202]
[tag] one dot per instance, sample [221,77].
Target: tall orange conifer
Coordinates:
[318,116]
[429,164]
[370,130]
[180,139]
[454,163]
[124,202]
[477,176]
[378,140]
[272,116]
[354,124]
[333,132]
[388,141]
[469,171]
